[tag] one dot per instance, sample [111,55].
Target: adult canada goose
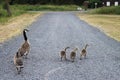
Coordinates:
[25,48]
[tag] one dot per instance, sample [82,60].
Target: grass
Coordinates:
[107,10]
[47,7]
[12,26]
[15,12]
[21,9]
[15,25]
[110,24]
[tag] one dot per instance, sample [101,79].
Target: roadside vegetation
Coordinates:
[21,17]
[106,10]
[106,19]
[4,18]
[20,9]
[47,7]
[13,25]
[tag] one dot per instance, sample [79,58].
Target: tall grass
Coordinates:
[47,7]
[107,10]
[4,16]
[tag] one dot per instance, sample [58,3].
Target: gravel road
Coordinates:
[50,34]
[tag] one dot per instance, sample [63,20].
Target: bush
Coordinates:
[47,7]
[107,10]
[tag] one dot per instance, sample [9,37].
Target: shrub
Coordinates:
[107,10]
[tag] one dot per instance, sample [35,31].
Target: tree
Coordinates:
[56,2]
[86,4]
[7,7]
[79,2]
[92,3]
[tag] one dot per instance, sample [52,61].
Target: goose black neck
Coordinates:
[66,48]
[25,36]
[85,46]
[17,55]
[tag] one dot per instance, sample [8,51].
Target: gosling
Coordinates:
[63,53]
[73,54]
[84,52]
[18,62]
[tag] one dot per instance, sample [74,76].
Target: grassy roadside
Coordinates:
[15,25]
[106,10]
[21,9]
[11,26]
[15,12]
[47,7]
[110,24]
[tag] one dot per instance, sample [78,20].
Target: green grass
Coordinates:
[4,16]
[20,9]
[47,7]
[107,10]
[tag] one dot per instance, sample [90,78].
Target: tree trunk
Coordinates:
[8,8]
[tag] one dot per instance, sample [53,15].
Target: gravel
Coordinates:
[50,34]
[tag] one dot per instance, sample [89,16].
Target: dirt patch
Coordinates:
[110,24]
[16,25]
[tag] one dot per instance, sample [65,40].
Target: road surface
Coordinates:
[50,34]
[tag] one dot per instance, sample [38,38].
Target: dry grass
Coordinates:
[110,24]
[15,25]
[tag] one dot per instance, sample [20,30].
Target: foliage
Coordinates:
[107,10]
[15,11]
[47,7]
[55,2]
[20,9]
[92,3]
